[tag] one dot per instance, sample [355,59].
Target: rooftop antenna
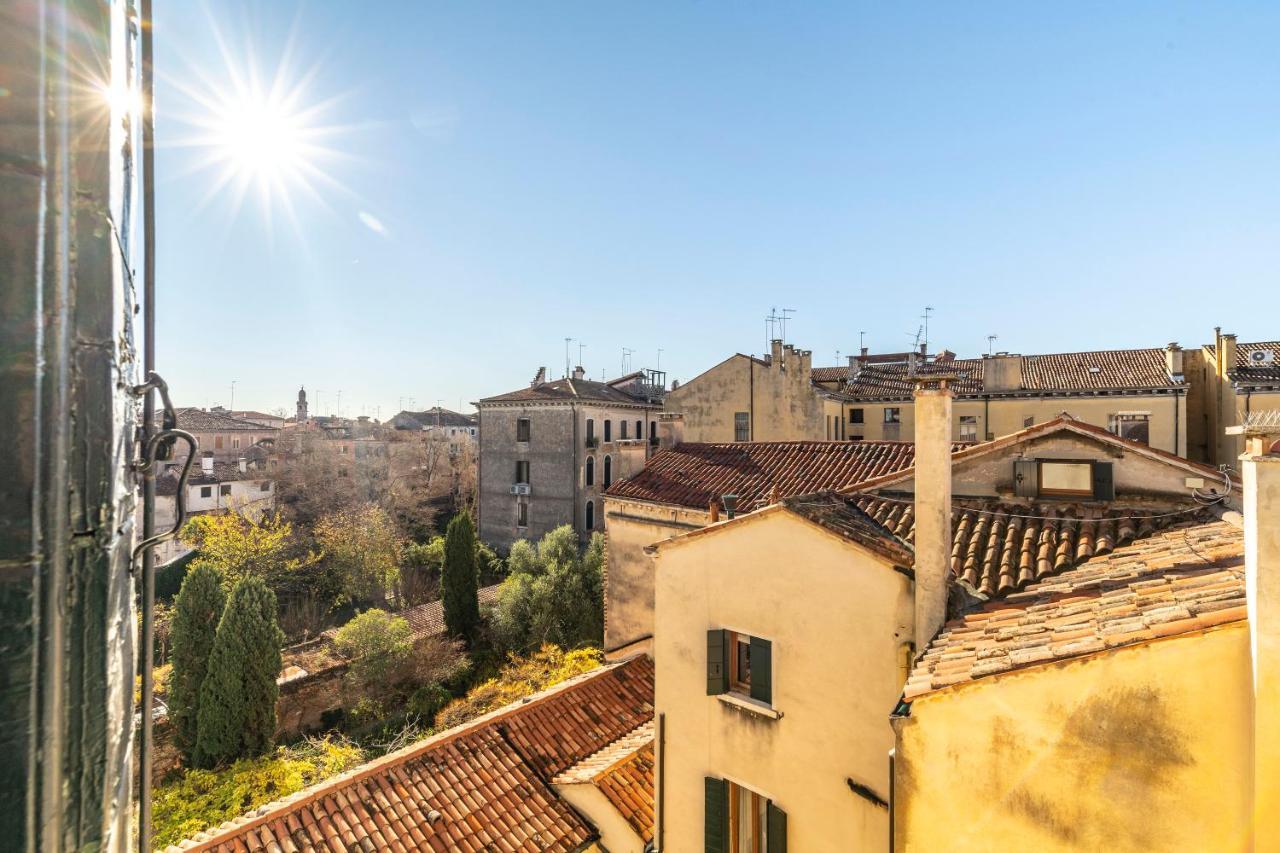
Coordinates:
[232,407]
[566,357]
[626,360]
[837,355]
[786,315]
[770,328]
[928,309]
[862,342]
[581,347]
[991,341]
[658,365]
[339,411]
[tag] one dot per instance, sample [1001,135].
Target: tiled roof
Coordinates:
[996,548]
[1073,371]
[694,474]
[623,772]
[482,786]
[427,620]
[1178,581]
[565,390]
[1245,372]
[432,417]
[844,517]
[200,420]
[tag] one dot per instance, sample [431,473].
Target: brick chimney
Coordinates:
[1002,372]
[1227,355]
[1173,359]
[932,508]
[579,372]
[775,352]
[1260,470]
[670,430]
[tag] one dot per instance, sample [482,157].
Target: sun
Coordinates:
[259,132]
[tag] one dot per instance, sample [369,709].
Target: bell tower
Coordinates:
[302,406]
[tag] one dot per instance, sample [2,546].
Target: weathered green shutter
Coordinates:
[1026,478]
[775,828]
[1104,484]
[717,662]
[717,815]
[762,670]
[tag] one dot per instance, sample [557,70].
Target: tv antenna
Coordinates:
[566,357]
[928,310]
[626,360]
[991,340]
[581,347]
[862,341]
[658,365]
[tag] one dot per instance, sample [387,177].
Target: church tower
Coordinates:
[302,406]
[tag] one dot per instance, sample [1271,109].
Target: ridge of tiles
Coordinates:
[1178,581]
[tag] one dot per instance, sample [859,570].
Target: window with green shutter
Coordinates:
[776,821]
[717,662]
[717,815]
[761,670]
[739,664]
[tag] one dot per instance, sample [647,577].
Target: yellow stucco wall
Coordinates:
[836,616]
[1004,416]
[1145,748]
[632,526]
[616,835]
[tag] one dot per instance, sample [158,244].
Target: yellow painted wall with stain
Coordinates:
[836,616]
[1142,748]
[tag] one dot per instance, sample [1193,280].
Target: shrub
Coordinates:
[520,677]
[238,547]
[237,708]
[426,701]
[362,547]
[194,626]
[554,595]
[461,593]
[201,799]
[378,644]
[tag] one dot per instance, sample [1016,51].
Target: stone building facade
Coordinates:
[548,452]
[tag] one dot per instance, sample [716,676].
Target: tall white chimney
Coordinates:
[932,508]
[206,462]
[1260,470]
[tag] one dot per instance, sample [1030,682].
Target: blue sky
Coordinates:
[659,175]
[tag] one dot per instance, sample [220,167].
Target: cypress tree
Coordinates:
[195,622]
[460,579]
[237,710]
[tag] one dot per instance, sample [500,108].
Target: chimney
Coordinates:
[244,464]
[775,352]
[1002,372]
[713,509]
[206,462]
[924,348]
[670,430]
[805,373]
[539,378]
[578,372]
[1260,469]
[855,366]
[1227,355]
[932,509]
[1173,359]
[911,363]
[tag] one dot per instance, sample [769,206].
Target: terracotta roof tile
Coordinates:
[694,474]
[559,390]
[480,786]
[1131,595]
[624,772]
[428,619]
[1245,371]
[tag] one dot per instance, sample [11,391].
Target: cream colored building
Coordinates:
[1230,380]
[821,601]
[745,398]
[1135,393]
[1131,703]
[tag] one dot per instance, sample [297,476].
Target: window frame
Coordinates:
[741,426]
[224,490]
[206,491]
[522,470]
[857,416]
[522,514]
[759,818]
[970,421]
[524,429]
[892,414]
[590,516]
[608,429]
[1064,493]
[736,642]
[607,479]
[589,471]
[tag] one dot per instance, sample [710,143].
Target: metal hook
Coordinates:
[147,469]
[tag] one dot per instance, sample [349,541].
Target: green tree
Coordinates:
[555,596]
[460,580]
[195,623]
[237,547]
[378,643]
[237,708]
[362,546]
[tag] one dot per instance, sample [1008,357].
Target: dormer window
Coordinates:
[1064,478]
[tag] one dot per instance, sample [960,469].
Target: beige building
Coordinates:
[1139,394]
[811,609]
[745,398]
[1229,381]
[222,434]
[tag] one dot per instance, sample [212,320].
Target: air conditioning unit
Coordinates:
[1262,356]
[520,489]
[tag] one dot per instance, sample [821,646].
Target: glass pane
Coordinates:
[744,661]
[1066,477]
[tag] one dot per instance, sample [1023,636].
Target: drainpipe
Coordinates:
[751,399]
[662,783]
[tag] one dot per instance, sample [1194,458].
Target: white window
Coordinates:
[1135,426]
[968,427]
[1066,478]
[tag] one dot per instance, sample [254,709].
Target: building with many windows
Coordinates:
[548,452]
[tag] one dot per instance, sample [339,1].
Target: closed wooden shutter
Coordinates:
[776,829]
[716,832]
[1104,484]
[717,662]
[762,670]
[1026,478]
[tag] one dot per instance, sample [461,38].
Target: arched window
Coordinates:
[591,470]
[608,430]
[653,430]
[591,515]
[608,470]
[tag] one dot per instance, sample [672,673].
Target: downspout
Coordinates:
[662,781]
[577,455]
[751,399]
[986,417]
[1177,424]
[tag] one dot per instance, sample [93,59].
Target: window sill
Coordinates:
[751,706]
